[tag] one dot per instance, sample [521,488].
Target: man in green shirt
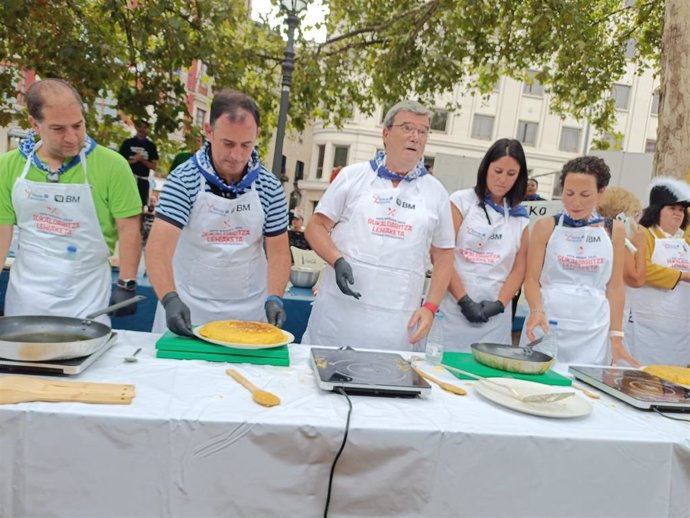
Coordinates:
[71,199]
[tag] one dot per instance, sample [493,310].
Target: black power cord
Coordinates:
[669,416]
[337,456]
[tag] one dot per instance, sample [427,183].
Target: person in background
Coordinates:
[218,248]
[659,325]
[72,200]
[296,233]
[142,155]
[490,250]
[621,204]
[531,193]
[429,168]
[374,227]
[196,142]
[575,272]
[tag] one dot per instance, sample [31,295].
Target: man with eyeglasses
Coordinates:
[375,226]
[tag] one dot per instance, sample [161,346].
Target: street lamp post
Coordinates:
[292,8]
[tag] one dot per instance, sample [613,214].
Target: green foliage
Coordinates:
[380,51]
[386,50]
[132,51]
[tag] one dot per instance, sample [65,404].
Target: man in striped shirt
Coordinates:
[218,248]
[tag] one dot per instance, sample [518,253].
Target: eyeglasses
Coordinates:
[408,129]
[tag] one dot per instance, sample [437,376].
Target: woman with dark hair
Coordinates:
[659,325]
[490,249]
[575,271]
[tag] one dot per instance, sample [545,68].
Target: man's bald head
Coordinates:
[51,92]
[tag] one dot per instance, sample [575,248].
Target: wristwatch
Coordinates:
[127,284]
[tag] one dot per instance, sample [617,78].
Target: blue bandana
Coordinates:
[27,145]
[381,170]
[517,212]
[202,160]
[577,223]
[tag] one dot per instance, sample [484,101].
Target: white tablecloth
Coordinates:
[193,444]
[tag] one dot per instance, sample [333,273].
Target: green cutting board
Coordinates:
[466,362]
[226,358]
[172,342]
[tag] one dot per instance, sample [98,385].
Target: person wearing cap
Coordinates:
[659,326]
[374,227]
[218,248]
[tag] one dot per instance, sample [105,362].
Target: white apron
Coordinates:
[385,242]
[577,268]
[484,257]
[219,265]
[660,317]
[45,279]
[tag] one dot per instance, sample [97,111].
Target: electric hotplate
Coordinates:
[366,373]
[57,367]
[636,387]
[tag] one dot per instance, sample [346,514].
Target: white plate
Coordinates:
[570,407]
[289,338]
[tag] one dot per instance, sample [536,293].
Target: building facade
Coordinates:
[514,109]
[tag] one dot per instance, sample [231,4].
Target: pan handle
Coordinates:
[114,307]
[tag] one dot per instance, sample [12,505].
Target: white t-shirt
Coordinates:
[339,200]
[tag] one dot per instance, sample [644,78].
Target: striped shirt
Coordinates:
[182,186]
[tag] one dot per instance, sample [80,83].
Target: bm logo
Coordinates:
[60,198]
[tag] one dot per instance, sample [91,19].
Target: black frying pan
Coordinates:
[41,338]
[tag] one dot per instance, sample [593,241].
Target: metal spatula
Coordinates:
[549,397]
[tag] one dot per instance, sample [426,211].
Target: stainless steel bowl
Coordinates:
[303,277]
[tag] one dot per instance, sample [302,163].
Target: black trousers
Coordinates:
[144,187]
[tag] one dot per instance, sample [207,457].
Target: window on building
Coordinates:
[439,122]
[497,86]
[384,110]
[630,48]
[200,117]
[319,161]
[527,132]
[483,127]
[570,140]
[621,96]
[299,170]
[533,87]
[340,156]
[429,162]
[650,146]
[655,104]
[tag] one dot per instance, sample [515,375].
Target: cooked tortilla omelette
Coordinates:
[671,373]
[242,332]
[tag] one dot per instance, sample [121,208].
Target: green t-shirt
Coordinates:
[115,193]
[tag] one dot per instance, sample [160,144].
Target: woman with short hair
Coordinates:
[575,271]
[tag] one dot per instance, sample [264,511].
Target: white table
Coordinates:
[193,444]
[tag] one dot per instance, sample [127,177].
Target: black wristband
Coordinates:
[127,284]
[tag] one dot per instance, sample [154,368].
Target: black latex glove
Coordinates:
[344,277]
[491,308]
[275,312]
[177,315]
[472,310]
[121,294]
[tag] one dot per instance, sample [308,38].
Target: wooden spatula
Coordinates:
[262,397]
[448,387]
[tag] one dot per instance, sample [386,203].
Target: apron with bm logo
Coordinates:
[61,267]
